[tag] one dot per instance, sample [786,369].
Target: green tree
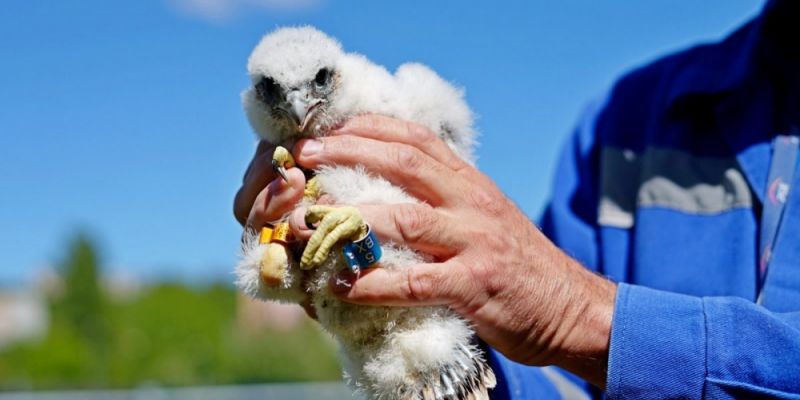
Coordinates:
[83,306]
[169,334]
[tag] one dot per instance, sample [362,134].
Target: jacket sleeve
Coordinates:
[664,344]
[668,345]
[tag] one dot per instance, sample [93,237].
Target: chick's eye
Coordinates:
[322,77]
[266,90]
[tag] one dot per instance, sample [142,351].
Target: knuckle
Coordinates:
[408,157]
[412,222]
[419,133]
[490,203]
[420,285]
[483,273]
[497,244]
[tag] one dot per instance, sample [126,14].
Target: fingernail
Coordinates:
[342,282]
[310,147]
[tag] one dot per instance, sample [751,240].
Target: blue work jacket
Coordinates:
[661,189]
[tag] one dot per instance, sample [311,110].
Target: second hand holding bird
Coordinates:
[335,224]
[526,297]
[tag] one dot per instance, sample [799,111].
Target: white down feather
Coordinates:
[386,350]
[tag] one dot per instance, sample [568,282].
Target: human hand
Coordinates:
[525,297]
[264,197]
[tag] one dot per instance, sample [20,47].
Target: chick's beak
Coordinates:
[300,107]
[297,105]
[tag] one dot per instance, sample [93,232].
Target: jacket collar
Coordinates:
[720,68]
[729,81]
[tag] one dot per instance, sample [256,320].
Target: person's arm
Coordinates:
[569,220]
[667,345]
[537,305]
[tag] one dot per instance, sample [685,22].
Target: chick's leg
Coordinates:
[335,224]
[274,261]
[274,264]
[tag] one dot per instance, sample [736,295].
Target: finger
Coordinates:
[401,164]
[263,154]
[417,285]
[417,226]
[277,199]
[259,173]
[388,129]
[297,223]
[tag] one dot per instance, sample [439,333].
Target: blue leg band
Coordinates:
[362,253]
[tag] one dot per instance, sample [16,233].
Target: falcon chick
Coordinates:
[303,84]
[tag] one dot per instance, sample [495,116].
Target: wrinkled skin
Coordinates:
[525,297]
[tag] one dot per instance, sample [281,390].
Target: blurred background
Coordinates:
[122,143]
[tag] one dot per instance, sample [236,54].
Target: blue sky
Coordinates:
[122,119]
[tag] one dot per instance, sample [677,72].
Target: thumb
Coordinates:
[417,285]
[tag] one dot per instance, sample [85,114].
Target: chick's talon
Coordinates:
[281,161]
[335,224]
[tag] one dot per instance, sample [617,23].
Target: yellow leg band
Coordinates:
[280,233]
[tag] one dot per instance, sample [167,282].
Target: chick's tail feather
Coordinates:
[470,378]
